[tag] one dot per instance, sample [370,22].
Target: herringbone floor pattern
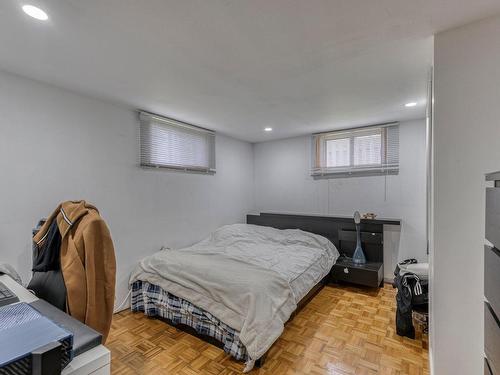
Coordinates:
[343,330]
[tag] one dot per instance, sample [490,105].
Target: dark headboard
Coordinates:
[340,230]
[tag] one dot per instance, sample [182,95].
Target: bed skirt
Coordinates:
[156,302]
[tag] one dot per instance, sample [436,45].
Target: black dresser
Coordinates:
[492,278]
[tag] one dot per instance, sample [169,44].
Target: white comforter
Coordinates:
[302,258]
[250,277]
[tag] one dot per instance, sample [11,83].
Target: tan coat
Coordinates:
[87,262]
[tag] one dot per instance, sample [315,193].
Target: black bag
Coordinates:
[407,300]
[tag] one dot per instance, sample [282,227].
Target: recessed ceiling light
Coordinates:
[268,129]
[35,12]
[411,104]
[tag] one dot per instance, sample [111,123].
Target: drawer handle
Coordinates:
[346,270]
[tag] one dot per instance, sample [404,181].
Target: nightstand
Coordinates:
[372,240]
[368,274]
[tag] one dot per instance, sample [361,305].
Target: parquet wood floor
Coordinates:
[342,330]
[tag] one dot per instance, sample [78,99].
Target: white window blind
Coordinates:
[167,143]
[337,152]
[354,152]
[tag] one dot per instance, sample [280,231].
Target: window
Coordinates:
[337,152]
[362,151]
[166,143]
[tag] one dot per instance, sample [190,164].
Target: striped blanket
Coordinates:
[154,301]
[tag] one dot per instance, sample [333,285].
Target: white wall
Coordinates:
[283,184]
[466,143]
[56,145]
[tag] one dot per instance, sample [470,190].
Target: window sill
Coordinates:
[323,176]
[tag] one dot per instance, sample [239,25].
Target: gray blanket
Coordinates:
[251,299]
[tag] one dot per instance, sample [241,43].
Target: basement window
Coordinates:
[175,145]
[366,151]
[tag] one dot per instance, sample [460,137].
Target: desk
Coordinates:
[95,361]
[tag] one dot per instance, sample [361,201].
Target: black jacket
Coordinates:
[47,281]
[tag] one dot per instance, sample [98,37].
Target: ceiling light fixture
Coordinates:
[411,104]
[268,129]
[35,12]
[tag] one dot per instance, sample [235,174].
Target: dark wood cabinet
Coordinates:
[368,274]
[487,369]
[492,338]
[342,232]
[492,277]
[372,272]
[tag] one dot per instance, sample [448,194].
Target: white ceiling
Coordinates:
[237,66]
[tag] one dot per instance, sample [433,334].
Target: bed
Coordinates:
[237,288]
